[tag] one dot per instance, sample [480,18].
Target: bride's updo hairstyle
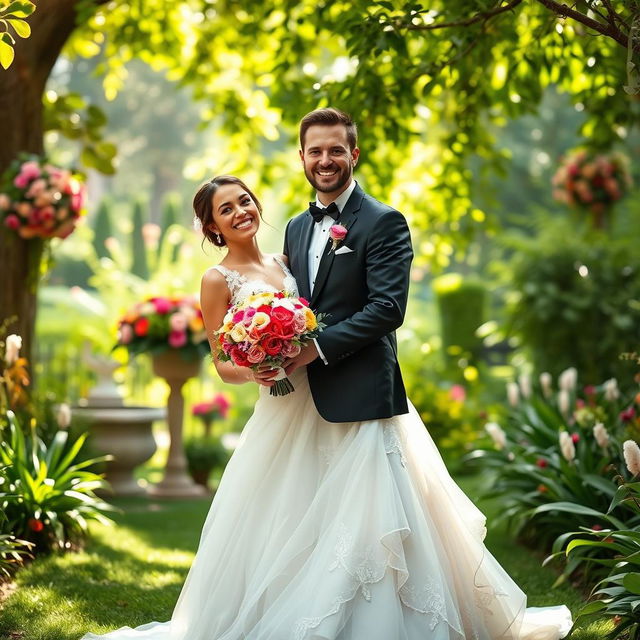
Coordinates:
[203,205]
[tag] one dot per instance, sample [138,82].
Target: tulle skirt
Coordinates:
[349,531]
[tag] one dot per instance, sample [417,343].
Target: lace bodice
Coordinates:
[240,286]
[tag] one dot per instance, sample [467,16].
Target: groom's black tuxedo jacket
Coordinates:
[364,292]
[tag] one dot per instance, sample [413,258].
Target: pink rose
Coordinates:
[178,322]
[248,314]
[21,181]
[162,305]
[299,323]
[290,350]
[337,233]
[36,188]
[256,354]
[177,339]
[30,169]
[12,221]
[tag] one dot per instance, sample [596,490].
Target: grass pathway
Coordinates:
[133,573]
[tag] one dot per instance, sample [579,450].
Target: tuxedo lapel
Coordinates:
[347,218]
[303,255]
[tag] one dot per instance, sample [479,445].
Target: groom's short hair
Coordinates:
[328,117]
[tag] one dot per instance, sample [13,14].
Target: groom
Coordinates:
[361,285]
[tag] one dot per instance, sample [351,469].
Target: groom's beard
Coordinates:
[340,179]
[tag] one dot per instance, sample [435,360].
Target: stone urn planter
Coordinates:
[125,432]
[176,370]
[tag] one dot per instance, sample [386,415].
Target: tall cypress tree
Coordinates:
[139,265]
[171,214]
[102,227]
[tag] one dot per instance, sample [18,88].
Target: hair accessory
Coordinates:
[197,225]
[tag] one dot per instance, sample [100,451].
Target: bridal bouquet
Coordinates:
[265,329]
[161,323]
[39,200]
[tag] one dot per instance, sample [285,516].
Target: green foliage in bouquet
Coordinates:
[558,448]
[50,496]
[575,303]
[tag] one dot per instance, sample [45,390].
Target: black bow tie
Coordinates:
[318,212]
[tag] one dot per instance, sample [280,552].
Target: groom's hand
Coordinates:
[308,354]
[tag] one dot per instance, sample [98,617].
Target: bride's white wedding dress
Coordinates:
[349,531]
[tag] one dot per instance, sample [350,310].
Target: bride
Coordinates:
[330,530]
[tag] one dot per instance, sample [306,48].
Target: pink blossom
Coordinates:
[256,354]
[12,221]
[222,403]
[162,305]
[20,181]
[28,171]
[238,316]
[457,393]
[177,339]
[337,232]
[290,350]
[36,188]
[575,437]
[125,334]
[178,322]
[77,201]
[248,315]
[299,322]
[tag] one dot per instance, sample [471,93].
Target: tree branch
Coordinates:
[567,12]
[479,17]
[613,15]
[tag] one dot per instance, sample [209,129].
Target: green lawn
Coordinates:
[132,574]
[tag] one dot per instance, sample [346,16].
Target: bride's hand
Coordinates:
[264,375]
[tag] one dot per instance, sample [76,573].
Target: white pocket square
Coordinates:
[343,249]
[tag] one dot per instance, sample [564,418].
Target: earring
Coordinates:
[218,237]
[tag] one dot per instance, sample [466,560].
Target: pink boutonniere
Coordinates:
[337,233]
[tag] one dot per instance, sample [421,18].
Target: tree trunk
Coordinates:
[21,89]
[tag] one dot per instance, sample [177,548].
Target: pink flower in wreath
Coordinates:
[12,221]
[28,172]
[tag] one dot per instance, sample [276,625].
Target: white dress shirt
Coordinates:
[319,239]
